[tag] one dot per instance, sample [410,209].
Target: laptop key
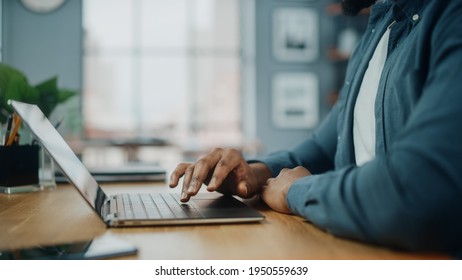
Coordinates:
[155,206]
[140,215]
[154,214]
[191,212]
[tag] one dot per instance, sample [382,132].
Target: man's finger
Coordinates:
[177,174]
[186,181]
[203,167]
[227,163]
[242,189]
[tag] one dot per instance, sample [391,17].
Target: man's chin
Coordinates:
[353,7]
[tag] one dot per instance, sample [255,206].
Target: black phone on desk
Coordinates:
[106,246]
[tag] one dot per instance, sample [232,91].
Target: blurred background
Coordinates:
[163,81]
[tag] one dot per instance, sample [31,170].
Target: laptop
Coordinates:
[131,209]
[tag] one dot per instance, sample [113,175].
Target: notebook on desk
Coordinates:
[124,173]
[122,210]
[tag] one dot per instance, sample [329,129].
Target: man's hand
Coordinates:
[274,193]
[223,170]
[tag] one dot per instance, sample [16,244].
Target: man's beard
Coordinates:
[353,7]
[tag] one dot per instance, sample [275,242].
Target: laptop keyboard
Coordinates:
[154,206]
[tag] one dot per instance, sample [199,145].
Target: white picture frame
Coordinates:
[295,35]
[295,100]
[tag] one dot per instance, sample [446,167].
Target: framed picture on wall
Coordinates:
[295,100]
[295,34]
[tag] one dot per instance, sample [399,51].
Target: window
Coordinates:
[163,69]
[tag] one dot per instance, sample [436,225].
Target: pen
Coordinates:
[8,129]
[17,124]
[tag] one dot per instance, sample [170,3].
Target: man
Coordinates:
[385,167]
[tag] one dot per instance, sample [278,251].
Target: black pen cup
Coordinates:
[19,168]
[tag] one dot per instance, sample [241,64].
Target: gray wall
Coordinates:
[272,137]
[45,45]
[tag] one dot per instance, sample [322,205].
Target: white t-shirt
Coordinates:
[364,111]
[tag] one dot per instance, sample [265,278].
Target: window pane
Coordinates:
[164,94]
[108,94]
[108,24]
[164,23]
[163,68]
[215,102]
[216,24]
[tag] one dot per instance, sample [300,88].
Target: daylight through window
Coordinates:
[164,69]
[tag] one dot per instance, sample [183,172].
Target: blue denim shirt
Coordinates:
[410,195]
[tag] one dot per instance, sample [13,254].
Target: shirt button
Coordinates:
[415,17]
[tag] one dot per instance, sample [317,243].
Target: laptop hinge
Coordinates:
[107,214]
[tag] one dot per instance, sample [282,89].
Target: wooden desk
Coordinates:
[61,215]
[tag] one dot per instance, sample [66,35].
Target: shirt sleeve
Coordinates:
[410,197]
[316,153]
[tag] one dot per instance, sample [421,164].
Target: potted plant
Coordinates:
[14,85]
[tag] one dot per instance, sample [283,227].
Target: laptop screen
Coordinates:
[59,150]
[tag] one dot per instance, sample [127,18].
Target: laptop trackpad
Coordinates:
[222,202]
[224,207]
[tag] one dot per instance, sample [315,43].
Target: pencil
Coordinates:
[8,129]
[17,124]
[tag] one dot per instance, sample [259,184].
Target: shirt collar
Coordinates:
[378,10]
[409,9]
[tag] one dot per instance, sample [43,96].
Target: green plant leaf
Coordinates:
[65,94]
[47,95]
[47,102]
[50,85]
[14,85]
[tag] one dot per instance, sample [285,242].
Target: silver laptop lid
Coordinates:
[59,150]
